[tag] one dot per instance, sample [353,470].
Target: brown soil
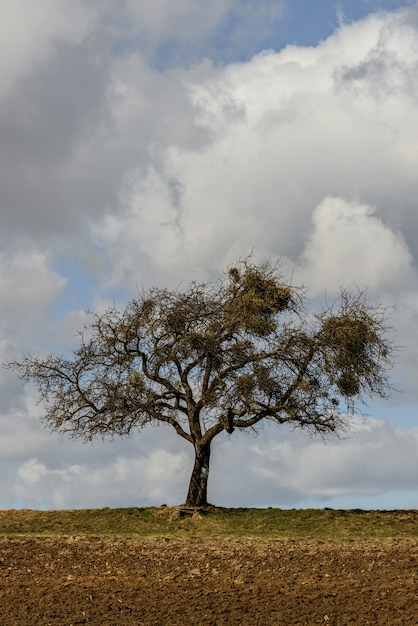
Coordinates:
[214,582]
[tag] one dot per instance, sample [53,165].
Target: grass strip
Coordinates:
[317,524]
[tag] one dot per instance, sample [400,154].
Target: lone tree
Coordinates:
[217,357]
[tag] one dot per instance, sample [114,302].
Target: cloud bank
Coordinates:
[131,152]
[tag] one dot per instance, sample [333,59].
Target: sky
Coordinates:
[155,143]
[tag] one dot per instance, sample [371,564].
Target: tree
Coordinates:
[217,357]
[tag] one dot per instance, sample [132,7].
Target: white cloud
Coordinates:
[378,457]
[363,250]
[288,130]
[278,468]
[31,472]
[162,176]
[285,468]
[150,469]
[28,287]
[152,479]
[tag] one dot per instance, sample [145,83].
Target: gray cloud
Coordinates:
[278,468]
[286,131]
[154,173]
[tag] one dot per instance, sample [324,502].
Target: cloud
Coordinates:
[76,128]
[189,30]
[285,468]
[147,470]
[278,468]
[244,153]
[29,34]
[28,287]
[280,134]
[364,251]
[151,170]
[123,481]
[185,20]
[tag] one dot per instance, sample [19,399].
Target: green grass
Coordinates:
[135,523]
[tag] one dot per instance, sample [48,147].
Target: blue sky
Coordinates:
[152,144]
[306,23]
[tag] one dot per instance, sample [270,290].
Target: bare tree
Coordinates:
[217,357]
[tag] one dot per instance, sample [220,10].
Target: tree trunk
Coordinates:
[198,487]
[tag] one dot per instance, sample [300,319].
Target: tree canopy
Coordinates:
[216,357]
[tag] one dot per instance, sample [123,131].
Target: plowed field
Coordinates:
[164,581]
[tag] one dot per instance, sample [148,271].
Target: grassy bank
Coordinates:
[319,524]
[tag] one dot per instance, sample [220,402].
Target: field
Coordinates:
[120,567]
